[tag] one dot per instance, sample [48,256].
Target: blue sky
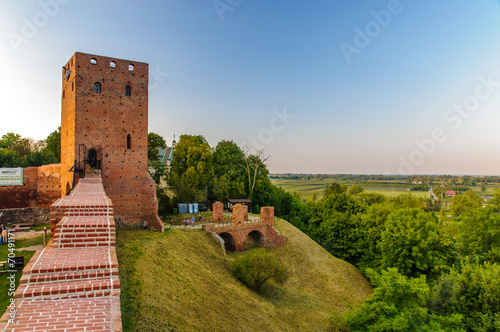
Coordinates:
[275,75]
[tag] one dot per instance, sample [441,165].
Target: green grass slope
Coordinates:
[181,281]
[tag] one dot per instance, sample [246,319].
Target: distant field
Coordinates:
[306,188]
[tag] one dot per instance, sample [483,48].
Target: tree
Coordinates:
[255,168]
[53,144]
[469,201]
[399,303]
[16,143]
[480,234]
[256,268]
[413,243]
[355,190]
[191,168]
[472,291]
[229,176]
[155,143]
[334,188]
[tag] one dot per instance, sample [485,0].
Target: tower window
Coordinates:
[129,141]
[72,86]
[112,64]
[131,67]
[93,61]
[97,87]
[128,91]
[64,93]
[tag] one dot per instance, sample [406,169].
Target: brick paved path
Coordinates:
[73,285]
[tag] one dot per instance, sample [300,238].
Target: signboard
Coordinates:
[11,176]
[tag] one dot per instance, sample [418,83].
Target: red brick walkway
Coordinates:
[73,285]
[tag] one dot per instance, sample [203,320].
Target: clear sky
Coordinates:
[322,86]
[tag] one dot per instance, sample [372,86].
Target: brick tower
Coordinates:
[104,124]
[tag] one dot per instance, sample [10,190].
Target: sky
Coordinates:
[355,87]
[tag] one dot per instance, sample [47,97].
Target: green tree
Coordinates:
[469,201]
[355,190]
[470,290]
[53,144]
[413,243]
[399,303]
[495,201]
[155,143]
[369,230]
[256,173]
[334,188]
[257,267]
[16,143]
[9,158]
[229,177]
[479,234]
[191,168]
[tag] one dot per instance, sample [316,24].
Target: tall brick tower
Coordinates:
[104,124]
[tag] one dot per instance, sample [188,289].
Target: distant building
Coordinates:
[451,193]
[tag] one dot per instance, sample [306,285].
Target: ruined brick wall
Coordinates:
[240,214]
[113,122]
[218,211]
[48,185]
[41,187]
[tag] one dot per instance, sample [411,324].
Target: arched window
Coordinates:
[97,87]
[128,91]
[131,67]
[129,141]
[112,64]
[93,61]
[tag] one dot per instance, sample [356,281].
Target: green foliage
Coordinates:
[155,143]
[399,303]
[479,234]
[256,268]
[469,201]
[16,151]
[408,201]
[413,243]
[334,188]
[473,291]
[191,168]
[333,224]
[53,144]
[228,173]
[495,201]
[355,190]
[369,230]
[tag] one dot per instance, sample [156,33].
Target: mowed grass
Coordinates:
[181,281]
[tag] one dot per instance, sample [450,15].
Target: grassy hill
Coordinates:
[181,280]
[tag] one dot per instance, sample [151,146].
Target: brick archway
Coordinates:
[229,243]
[261,230]
[254,238]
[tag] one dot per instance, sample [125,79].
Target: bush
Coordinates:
[256,268]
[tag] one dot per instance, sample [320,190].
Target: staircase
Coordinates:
[73,283]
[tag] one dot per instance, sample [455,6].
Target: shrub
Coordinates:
[256,268]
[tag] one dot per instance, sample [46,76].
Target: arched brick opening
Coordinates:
[229,244]
[253,239]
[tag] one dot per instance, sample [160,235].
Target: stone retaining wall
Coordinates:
[25,215]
